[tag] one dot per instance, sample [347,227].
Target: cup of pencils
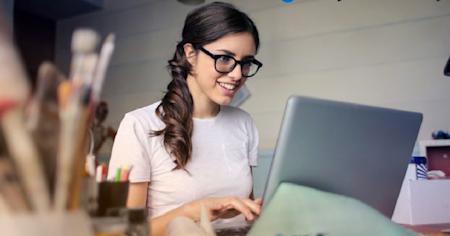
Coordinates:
[112,196]
[113,193]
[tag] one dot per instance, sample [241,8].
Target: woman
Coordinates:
[191,149]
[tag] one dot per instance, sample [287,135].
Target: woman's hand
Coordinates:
[225,207]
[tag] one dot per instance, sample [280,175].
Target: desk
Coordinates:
[429,230]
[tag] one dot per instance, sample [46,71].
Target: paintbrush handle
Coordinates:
[66,152]
[26,158]
[80,158]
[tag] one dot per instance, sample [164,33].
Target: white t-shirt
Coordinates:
[223,149]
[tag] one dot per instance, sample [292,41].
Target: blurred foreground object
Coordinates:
[300,210]
[14,91]
[44,135]
[184,226]
[43,119]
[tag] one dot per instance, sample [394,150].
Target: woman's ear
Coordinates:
[190,53]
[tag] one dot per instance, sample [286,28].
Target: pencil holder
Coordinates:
[112,196]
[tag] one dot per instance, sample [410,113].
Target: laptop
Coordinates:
[350,149]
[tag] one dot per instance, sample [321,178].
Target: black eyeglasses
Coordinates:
[226,63]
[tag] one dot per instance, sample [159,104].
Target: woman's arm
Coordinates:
[137,195]
[218,207]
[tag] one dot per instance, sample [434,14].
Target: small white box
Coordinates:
[424,202]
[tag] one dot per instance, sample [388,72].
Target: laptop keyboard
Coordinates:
[237,231]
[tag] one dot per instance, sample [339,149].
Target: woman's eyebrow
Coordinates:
[227,52]
[230,53]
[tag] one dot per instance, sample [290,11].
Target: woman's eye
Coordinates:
[225,59]
[247,64]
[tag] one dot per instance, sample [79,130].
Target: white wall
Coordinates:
[387,52]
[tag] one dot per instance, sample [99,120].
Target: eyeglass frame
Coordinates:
[240,62]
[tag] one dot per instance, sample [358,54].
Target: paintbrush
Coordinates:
[26,158]
[79,170]
[88,107]
[103,62]
[45,97]
[97,84]
[11,191]
[84,42]
[66,148]
[74,114]
[14,90]
[86,110]
[43,119]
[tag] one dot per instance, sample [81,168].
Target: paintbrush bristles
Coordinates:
[110,38]
[84,41]
[103,62]
[48,80]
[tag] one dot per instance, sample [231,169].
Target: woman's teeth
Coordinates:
[228,86]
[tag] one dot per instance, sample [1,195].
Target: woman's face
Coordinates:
[211,85]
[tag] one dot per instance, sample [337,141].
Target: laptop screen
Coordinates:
[354,150]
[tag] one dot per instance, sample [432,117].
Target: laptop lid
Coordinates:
[349,149]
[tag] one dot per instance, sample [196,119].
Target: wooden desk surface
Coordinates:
[430,230]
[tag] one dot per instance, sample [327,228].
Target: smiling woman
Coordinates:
[192,148]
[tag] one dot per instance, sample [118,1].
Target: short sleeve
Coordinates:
[131,148]
[253,144]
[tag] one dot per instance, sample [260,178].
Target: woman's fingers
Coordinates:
[231,206]
[242,207]
[254,206]
[245,206]
[258,201]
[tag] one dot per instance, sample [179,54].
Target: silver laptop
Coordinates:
[354,150]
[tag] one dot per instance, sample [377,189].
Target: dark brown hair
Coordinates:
[202,26]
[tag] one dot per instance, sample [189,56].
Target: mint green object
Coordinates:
[299,210]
